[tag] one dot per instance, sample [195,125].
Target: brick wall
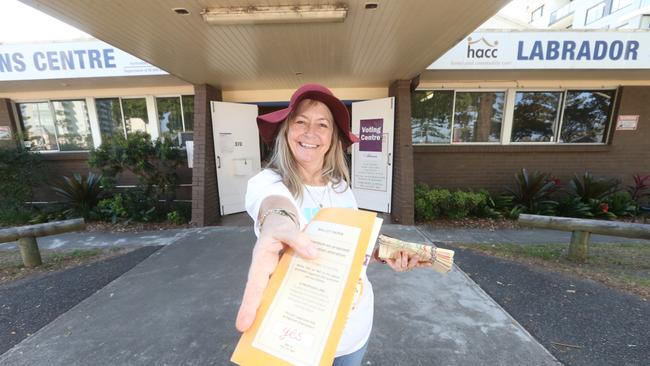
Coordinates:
[402,211]
[493,167]
[205,196]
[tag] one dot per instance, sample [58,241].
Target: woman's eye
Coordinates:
[324,125]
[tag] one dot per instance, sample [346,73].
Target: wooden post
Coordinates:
[579,246]
[29,251]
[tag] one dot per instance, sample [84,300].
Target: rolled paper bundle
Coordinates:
[442,259]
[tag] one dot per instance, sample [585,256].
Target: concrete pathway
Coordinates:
[178,308]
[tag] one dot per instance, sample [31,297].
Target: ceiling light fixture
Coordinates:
[275,14]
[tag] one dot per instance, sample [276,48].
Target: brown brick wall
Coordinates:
[493,167]
[402,211]
[68,164]
[205,196]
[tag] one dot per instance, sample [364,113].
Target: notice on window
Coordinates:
[306,305]
[371,167]
[627,122]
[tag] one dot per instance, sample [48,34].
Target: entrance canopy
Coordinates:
[371,47]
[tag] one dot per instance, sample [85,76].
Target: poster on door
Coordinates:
[370,170]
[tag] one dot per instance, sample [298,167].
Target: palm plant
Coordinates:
[80,194]
[588,187]
[532,192]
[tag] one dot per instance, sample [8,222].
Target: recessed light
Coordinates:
[371,6]
[181,11]
[299,73]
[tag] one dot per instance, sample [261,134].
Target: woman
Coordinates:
[307,171]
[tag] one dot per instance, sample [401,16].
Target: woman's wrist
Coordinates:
[274,216]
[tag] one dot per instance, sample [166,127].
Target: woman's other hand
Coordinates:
[277,233]
[404,263]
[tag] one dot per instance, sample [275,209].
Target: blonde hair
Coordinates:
[335,166]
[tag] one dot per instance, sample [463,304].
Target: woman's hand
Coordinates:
[277,233]
[403,263]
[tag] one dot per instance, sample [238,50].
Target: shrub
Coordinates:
[432,204]
[532,193]
[621,204]
[572,206]
[588,187]
[131,205]
[153,162]
[80,194]
[640,190]
[21,172]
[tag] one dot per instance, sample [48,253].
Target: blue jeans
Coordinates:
[351,359]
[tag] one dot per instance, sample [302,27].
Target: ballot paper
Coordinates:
[306,305]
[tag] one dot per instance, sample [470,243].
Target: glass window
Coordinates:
[188,112]
[535,116]
[169,115]
[595,12]
[431,116]
[586,116]
[109,115]
[620,4]
[478,116]
[38,126]
[135,114]
[72,125]
[57,126]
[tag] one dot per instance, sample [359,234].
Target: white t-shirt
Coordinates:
[267,183]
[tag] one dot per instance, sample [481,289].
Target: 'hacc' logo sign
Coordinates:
[488,51]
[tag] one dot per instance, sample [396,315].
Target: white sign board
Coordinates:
[627,122]
[82,59]
[548,50]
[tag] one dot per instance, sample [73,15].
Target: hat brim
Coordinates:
[269,123]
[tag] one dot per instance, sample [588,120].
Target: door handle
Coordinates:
[218,162]
[389,163]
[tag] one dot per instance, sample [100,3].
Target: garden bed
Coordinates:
[12,269]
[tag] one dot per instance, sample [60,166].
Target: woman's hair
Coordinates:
[335,166]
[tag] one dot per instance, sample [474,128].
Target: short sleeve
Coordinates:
[264,184]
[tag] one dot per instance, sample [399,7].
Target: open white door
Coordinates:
[237,151]
[372,158]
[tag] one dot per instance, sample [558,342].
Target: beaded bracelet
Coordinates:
[279,211]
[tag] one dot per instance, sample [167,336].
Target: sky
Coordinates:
[20,23]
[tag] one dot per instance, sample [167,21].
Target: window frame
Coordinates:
[616,5]
[58,150]
[609,121]
[508,116]
[602,15]
[533,18]
[557,123]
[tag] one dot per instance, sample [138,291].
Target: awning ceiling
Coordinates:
[371,48]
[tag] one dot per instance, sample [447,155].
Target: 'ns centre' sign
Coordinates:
[549,50]
[64,60]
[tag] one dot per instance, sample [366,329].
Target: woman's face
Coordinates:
[310,133]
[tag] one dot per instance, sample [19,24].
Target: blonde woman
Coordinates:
[307,171]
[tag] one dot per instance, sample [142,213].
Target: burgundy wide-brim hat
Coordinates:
[269,123]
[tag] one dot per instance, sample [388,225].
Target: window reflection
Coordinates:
[431,116]
[72,125]
[38,126]
[135,114]
[478,116]
[110,117]
[535,116]
[586,116]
